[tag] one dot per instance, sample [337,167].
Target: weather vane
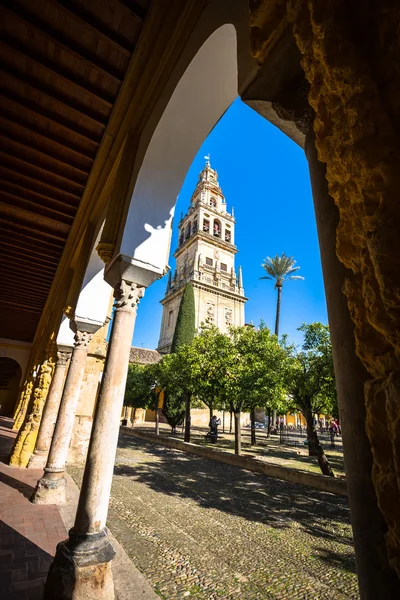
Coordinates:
[207,157]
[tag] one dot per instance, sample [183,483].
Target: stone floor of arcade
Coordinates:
[192,527]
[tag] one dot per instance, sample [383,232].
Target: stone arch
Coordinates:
[10,377]
[200,95]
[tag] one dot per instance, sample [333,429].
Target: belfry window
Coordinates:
[213,202]
[194,228]
[217,228]
[188,230]
[206,225]
[181,237]
[227,235]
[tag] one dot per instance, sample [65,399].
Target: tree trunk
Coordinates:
[187,418]
[133,418]
[269,421]
[230,421]
[253,441]
[158,415]
[278,309]
[314,445]
[238,437]
[211,409]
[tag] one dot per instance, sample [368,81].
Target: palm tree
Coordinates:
[280,268]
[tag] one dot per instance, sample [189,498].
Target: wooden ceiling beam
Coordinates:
[76,10]
[14,141]
[136,10]
[56,69]
[39,281]
[61,143]
[43,89]
[53,117]
[36,208]
[23,308]
[20,231]
[62,42]
[35,184]
[11,252]
[33,221]
[26,167]
[41,199]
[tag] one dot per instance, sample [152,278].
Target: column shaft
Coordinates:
[376,579]
[51,487]
[82,564]
[50,412]
[95,492]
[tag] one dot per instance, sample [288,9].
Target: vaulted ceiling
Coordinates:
[62,68]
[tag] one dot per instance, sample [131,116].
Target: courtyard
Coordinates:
[203,530]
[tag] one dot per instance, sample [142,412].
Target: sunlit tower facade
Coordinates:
[206,257]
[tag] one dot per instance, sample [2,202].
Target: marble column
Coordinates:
[50,411]
[50,489]
[82,566]
[376,579]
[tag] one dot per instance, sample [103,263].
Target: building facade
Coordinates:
[206,257]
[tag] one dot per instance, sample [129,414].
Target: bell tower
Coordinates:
[206,257]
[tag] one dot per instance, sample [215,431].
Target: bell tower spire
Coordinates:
[206,257]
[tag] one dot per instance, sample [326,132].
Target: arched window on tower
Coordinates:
[195,226]
[181,237]
[228,236]
[206,225]
[213,201]
[188,230]
[217,228]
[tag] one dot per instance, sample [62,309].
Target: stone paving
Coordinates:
[209,531]
[29,534]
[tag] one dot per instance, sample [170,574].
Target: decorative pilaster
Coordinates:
[83,561]
[38,458]
[26,439]
[23,403]
[50,488]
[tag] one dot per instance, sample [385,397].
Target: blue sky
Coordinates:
[264,175]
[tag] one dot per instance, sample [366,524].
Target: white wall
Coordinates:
[205,91]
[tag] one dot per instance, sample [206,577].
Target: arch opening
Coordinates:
[10,377]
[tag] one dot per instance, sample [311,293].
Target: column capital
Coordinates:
[127,295]
[63,357]
[82,338]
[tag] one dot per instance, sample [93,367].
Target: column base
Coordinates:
[81,569]
[50,491]
[37,460]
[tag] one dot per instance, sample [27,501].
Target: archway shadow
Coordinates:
[23,566]
[245,494]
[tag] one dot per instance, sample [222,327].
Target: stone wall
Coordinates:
[87,397]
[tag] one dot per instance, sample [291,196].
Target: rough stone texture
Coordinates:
[209,531]
[350,56]
[143,356]
[350,59]
[26,439]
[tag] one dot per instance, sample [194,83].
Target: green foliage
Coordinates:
[173,382]
[185,324]
[310,376]
[140,386]
[280,268]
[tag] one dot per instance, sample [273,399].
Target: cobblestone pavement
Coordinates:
[209,531]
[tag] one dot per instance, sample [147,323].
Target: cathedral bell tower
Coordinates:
[206,257]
